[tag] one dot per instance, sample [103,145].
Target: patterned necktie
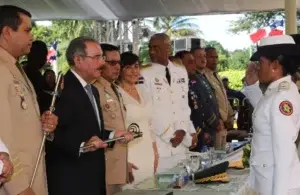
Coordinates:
[168,76]
[91,96]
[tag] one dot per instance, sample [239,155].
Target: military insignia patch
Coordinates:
[286,108]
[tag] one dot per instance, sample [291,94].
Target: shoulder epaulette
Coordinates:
[145,66]
[93,81]
[178,64]
[283,86]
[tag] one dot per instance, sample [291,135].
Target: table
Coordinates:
[236,186]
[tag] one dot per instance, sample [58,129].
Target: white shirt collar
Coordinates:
[81,80]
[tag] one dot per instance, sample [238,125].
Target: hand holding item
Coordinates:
[95,143]
[194,140]
[7,169]
[127,135]
[178,137]
[49,121]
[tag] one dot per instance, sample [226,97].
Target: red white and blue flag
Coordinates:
[275,28]
[52,53]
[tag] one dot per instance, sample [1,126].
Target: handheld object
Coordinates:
[133,128]
[51,109]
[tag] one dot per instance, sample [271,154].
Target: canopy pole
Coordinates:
[290,17]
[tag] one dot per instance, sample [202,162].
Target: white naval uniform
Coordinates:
[274,164]
[3,148]
[253,93]
[170,111]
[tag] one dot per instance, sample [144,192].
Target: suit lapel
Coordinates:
[81,95]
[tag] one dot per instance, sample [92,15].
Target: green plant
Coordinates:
[235,78]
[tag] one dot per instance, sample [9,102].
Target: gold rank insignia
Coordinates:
[286,108]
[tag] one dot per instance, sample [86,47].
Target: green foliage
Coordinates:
[235,78]
[222,53]
[70,29]
[63,31]
[255,20]
[239,59]
[175,26]
[144,53]
[44,33]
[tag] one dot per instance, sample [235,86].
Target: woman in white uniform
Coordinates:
[274,163]
[142,151]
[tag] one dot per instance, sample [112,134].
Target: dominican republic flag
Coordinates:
[275,28]
[52,53]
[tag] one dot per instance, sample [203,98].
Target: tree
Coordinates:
[70,29]
[222,53]
[251,21]
[175,26]
[144,53]
[44,33]
[239,59]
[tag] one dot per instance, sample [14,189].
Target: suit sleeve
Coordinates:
[20,179]
[284,134]
[66,137]
[165,133]
[211,119]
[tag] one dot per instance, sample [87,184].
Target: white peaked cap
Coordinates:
[277,40]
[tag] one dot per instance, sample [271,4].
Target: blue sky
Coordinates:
[215,27]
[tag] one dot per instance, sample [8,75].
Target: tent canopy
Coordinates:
[130,9]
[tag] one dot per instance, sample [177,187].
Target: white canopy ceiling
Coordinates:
[130,9]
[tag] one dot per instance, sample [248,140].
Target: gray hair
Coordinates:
[161,36]
[77,47]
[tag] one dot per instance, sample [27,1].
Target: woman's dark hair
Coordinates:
[128,58]
[48,71]
[290,64]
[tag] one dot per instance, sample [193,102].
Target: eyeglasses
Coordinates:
[96,57]
[113,62]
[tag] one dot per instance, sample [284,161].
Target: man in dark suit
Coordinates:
[70,169]
[204,109]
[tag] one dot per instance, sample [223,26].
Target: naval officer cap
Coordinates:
[274,46]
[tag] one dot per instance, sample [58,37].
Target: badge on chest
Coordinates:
[109,102]
[20,90]
[181,80]
[194,98]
